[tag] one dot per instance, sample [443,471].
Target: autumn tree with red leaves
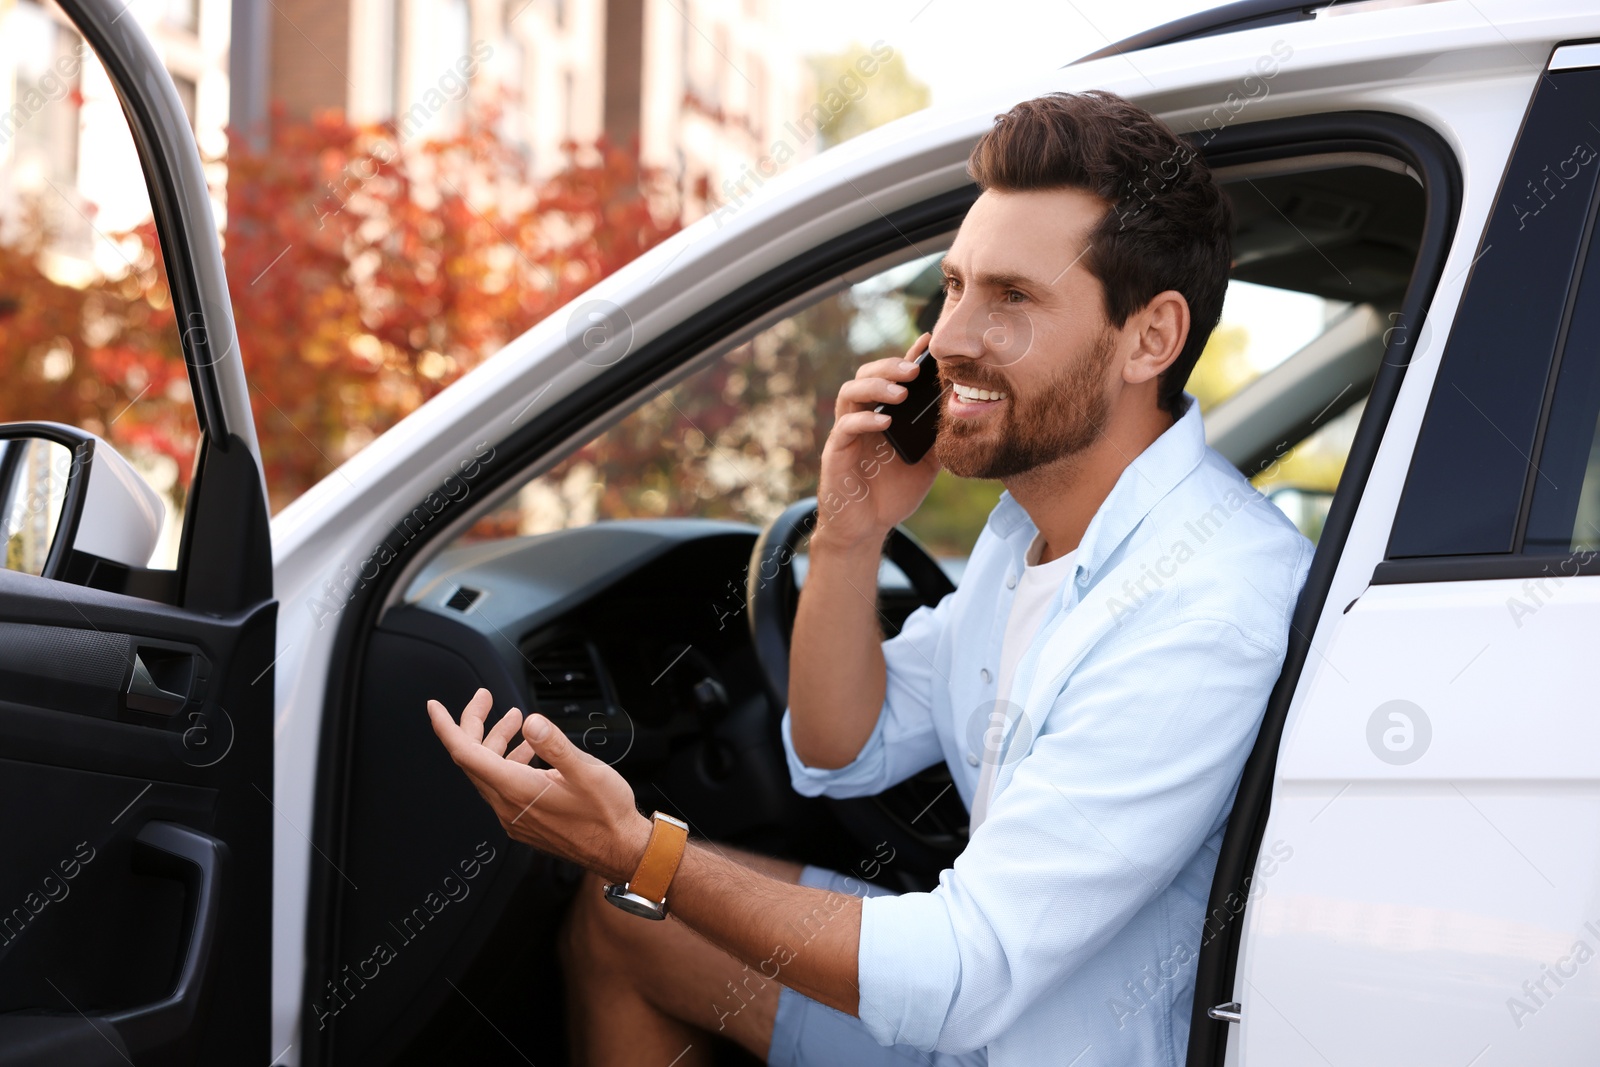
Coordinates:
[367,273]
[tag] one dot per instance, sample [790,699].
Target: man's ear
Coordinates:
[1162,328]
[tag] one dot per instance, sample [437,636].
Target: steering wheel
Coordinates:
[922,815]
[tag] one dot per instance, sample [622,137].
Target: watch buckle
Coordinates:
[634,904]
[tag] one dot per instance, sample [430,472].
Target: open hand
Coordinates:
[579,808]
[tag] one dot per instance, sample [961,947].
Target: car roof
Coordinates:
[1229,18]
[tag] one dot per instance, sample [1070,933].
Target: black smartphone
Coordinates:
[914,421]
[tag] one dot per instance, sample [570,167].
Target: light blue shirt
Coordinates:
[1069,928]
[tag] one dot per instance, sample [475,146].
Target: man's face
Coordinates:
[1025,352]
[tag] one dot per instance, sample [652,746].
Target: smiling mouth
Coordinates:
[973,395]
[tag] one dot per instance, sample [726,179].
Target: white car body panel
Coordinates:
[1465,69]
[1428,893]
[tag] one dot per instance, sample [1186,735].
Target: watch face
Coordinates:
[634,904]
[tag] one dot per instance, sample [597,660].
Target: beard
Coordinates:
[1061,416]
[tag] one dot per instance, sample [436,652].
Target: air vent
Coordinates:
[565,677]
[463,598]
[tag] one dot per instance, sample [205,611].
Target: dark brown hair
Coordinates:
[1169,225]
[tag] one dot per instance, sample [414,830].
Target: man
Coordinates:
[1094,685]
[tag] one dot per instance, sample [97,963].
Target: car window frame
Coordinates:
[1444,484]
[1430,156]
[224,554]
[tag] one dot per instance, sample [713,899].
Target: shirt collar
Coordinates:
[1143,483]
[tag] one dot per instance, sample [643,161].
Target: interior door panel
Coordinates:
[135,745]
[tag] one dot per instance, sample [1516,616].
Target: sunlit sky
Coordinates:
[960,48]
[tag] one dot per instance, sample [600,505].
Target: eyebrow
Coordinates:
[995,279]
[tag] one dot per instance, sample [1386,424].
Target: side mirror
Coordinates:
[70,503]
[1306,508]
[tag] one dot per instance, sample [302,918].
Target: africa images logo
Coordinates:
[1399,732]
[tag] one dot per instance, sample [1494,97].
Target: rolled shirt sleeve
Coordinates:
[903,741]
[1126,781]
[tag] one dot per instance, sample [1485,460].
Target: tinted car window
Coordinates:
[1565,516]
[1473,462]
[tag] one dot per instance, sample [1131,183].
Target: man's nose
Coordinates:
[954,335]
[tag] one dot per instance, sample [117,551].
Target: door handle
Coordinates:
[144,694]
[196,859]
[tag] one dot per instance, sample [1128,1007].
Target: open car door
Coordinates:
[136,770]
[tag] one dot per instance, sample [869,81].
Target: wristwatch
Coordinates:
[645,894]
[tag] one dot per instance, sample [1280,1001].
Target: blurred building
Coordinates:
[701,84]
[65,148]
[706,87]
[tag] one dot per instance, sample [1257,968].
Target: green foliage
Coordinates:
[1313,464]
[1223,368]
[953,514]
[867,101]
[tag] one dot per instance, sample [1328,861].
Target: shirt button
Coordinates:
[1011,581]
[984,674]
[1083,577]
[972,759]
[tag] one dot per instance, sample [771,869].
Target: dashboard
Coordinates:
[631,636]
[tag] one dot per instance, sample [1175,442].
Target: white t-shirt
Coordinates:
[1030,605]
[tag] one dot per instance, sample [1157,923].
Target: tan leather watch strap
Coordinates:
[662,854]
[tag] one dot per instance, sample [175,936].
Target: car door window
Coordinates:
[741,439]
[1323,251]
[87,332]
[1565,514]
[1472,470]
[1263,330]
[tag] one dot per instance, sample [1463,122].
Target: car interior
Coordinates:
[616,587]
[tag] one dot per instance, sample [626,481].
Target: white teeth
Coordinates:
[967,392]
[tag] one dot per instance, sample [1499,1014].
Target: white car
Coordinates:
[230,836]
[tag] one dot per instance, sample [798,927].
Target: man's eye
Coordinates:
[1015,296]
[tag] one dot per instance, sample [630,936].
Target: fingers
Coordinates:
[859,422]
[506,784]
[864,392]
[871,384]
[522,754]
[492,773]
[473,714]
[553,746]
[509,726]
[894,368]
[469,754]
[444,727]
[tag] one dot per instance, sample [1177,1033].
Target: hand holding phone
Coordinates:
[914,421]
[867,483]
